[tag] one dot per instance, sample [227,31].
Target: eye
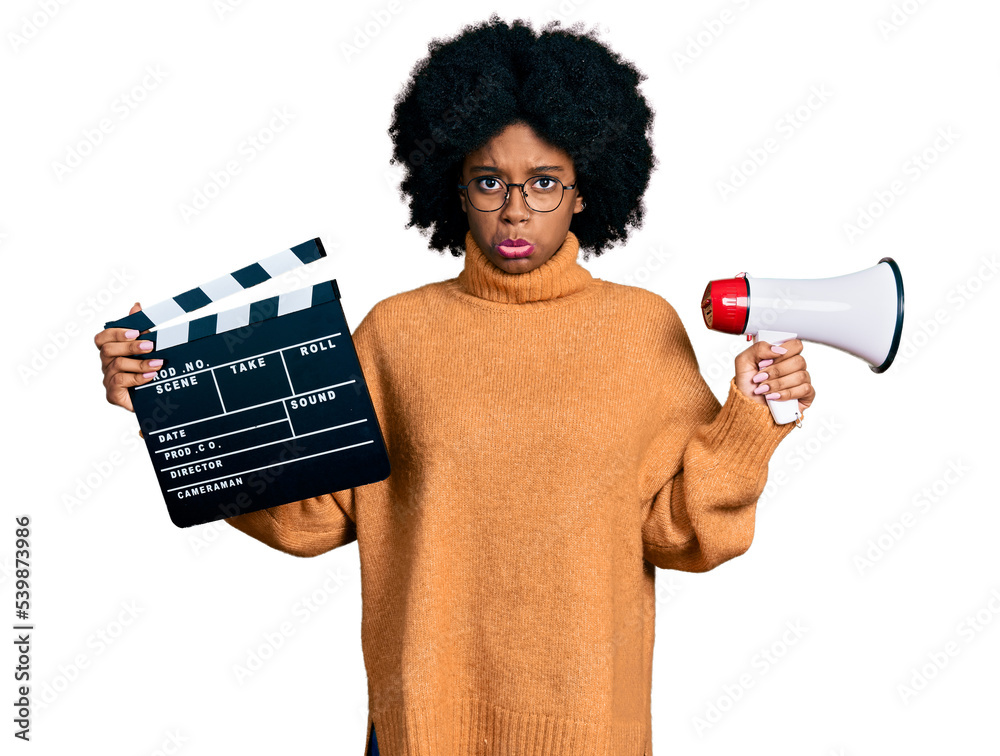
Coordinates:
[488,183]
[545,183]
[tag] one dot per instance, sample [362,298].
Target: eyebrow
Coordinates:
[536,169]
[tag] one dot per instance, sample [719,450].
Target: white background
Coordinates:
[908,451]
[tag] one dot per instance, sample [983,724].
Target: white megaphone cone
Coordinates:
[859,313]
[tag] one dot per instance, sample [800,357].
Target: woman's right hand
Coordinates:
[120,369]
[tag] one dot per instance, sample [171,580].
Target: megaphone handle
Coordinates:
[783,411]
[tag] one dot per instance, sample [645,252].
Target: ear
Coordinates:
[578,204]
[461,198]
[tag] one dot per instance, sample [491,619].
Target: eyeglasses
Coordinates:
[543,194]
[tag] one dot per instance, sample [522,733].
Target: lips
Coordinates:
[512,248]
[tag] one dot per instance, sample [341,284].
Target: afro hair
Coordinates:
[571,89]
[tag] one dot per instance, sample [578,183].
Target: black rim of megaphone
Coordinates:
[898,333]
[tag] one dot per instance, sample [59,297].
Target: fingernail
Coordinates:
[759,377]
[775,395]
[155,363]
[131,334]
[765,363]
[761,389]
[149,375]
[778,350]
[145,345]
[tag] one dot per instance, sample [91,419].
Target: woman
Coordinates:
[550,436]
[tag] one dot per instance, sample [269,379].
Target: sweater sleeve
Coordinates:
[708,465]
[313,526]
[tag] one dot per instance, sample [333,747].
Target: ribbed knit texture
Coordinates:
[551,442]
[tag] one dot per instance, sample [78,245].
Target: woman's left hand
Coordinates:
[761,372]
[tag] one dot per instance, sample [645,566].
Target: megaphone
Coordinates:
[859,313]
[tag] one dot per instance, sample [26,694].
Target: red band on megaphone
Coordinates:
[725,305]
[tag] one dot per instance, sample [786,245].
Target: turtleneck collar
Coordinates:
[559,276]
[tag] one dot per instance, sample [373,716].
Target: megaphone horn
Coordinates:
[859,313]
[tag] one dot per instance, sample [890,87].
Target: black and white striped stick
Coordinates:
[219,289]
[239,317]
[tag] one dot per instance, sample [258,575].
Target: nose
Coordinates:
[515,209]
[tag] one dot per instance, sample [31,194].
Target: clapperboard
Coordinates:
[256,406]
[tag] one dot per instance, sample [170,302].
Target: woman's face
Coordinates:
[515,155]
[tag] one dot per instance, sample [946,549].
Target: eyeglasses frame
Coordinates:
[524,193]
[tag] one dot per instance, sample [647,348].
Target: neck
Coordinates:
[559,276]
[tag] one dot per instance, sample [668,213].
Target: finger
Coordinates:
[114,334]
[755,356]
[121,381]
[785,383]
[131,365]
[112,349]
[804,392]
[118,334]
[763,350]
[793,364]
[792,347]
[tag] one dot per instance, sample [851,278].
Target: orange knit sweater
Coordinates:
[551,442]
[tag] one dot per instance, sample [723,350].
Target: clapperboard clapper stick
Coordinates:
[256,406]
